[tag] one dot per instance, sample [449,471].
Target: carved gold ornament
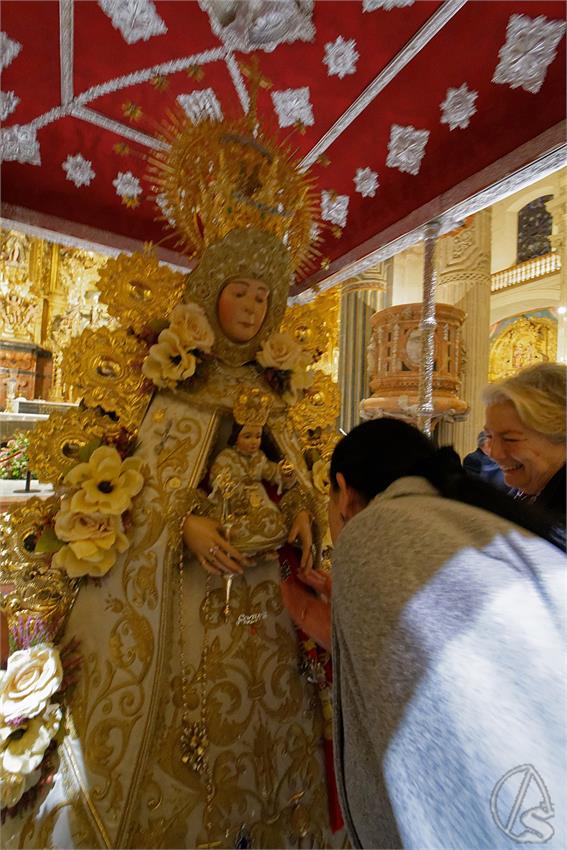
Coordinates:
[526,341]
[216,176]
[66,434]
[21,530]
[242,254]
[137,289]
[252,407]
[308,326]
[105,367]
[318,409]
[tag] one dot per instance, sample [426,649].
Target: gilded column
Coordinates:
[464,280]
[557,208]
[361,298]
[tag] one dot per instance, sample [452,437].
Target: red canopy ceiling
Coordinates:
[81,79]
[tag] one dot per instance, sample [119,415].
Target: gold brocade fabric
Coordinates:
[256,523]
[119,779]
[264,728]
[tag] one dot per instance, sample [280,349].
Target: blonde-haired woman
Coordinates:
[525,420]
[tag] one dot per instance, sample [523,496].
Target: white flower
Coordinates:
[334,208]
[126,185]
[341,57]
[169,361]
[78,170]
[406,148]
[94,539]
[300,380]
[530,48]
[9,49]
[366,182]
[107,482]
[293,106]
[13,786]
[458,107]
[201,104]
[31,678]
[280,351]
[189,323]
[22,748]
[8,102]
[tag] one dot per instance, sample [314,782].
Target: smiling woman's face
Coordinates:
[526,457]
[242,308]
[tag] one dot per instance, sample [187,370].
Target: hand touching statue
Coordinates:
[301,531]
[204,538]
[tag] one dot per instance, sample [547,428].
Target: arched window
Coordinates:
[534,229]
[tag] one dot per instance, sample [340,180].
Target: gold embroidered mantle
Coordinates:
[121,782]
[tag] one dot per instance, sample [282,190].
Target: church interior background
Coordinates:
[500,253]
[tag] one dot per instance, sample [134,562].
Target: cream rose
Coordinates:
[107,482]
[23,749]
[169,361]
[320,475]
[13,786]
[189,323]
[279,351]
[31,678]
[95,540]
[300,380]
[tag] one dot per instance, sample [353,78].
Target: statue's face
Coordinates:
[249,439]
[242,308]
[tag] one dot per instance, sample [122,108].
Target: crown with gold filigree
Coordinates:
[252,407]
[215,176]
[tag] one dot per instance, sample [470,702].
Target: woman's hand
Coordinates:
[311,613]
[301,530]
[204,538]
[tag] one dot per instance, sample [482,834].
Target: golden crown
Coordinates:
[215,176]
[252,407]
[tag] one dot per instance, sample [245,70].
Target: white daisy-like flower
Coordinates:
[334,208]
[458,107]
[78,170]
[126,185]
[341,57]
[366,182]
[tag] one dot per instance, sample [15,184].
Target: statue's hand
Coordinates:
[301,531]
[204,538]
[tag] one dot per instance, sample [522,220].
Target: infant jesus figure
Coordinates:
[251,520]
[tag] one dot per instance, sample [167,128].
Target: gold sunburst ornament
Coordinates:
[106,368]
[66,434]
[138,290]
[214,177]
[318,409]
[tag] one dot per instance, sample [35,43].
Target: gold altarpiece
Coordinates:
[48,295]
[527,340]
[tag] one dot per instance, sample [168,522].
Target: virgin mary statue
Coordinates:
[157,694]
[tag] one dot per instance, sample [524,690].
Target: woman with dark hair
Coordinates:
[448,645]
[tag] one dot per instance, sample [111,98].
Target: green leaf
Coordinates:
[48,542]
[158,325]
[86,451]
